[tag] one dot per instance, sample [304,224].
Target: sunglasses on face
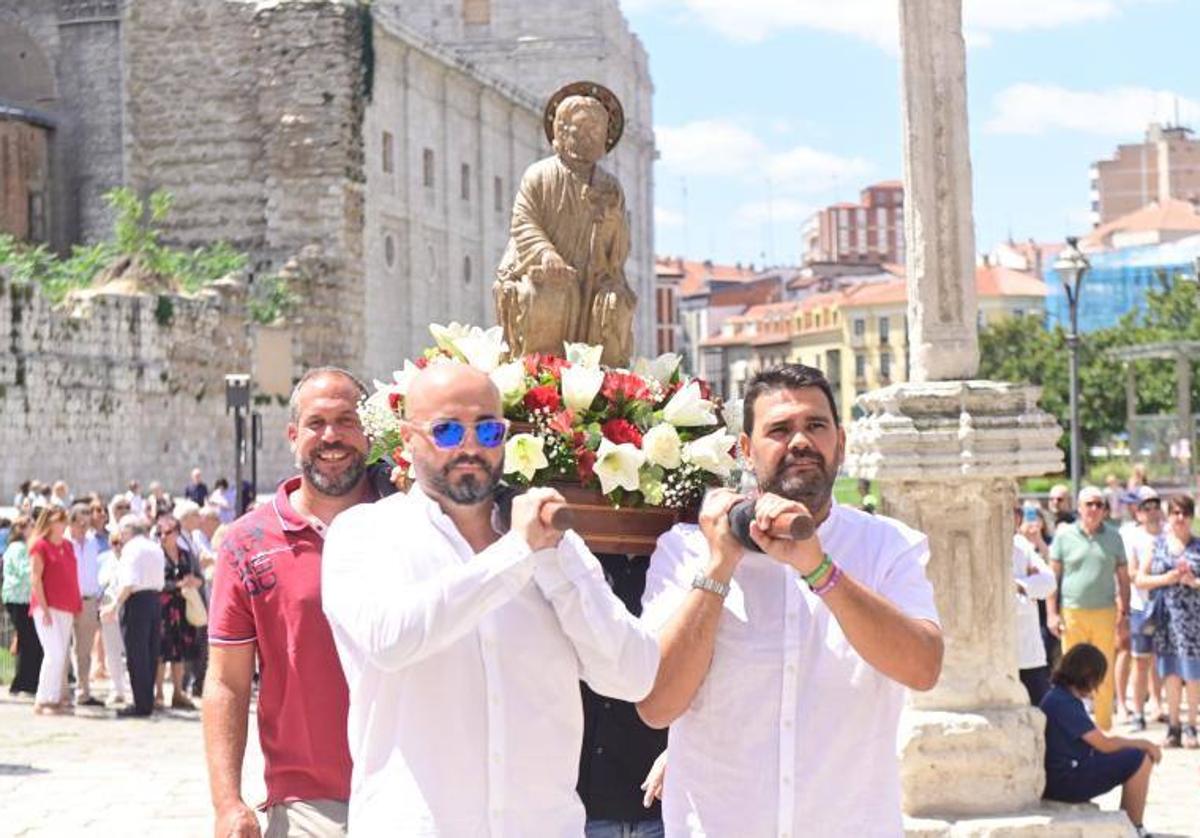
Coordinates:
[1094,504]
[451,433]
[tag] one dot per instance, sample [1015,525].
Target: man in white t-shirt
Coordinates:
[784,669]
[1139,548]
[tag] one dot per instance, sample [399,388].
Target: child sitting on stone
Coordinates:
[1082,761]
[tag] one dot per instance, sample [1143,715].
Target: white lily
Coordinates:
[580,385]
[661,445]
[617,465]
[482,349]
[711,453]
[403,378]
[687,410]
[510,381]
[445,336]
[524,454]
[660,369]
[583,354]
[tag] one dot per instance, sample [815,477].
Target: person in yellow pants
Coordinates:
[1088,557]
[1097,626]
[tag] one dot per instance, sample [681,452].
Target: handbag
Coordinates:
[194,611]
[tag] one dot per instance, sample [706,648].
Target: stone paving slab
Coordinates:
[95,775]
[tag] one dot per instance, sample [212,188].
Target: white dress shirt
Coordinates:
[142,566]
[87,563]
[464,669]
[1031,569]
[791,733]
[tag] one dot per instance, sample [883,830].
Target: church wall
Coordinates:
[426,103]
[116,386]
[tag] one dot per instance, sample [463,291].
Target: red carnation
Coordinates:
[544,397]
[421,363]
[586,463]
[621,430]
[395,401]
[623,387]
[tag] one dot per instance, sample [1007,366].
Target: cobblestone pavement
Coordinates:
[1174,804]
[92,774]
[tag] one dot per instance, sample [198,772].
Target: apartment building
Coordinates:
[871,231]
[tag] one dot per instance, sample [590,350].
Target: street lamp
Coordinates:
[1071,265]
[237,399]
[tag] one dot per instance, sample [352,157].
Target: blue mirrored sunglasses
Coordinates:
[450,433]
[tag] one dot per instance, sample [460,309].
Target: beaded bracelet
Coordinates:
[830,583]
[812,578]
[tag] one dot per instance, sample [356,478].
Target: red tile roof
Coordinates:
[694,277]
[990,281]
[1172,215]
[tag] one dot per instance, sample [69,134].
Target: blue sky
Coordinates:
[765,110]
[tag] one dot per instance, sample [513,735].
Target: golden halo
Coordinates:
[616,114]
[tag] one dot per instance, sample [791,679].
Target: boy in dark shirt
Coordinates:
[1082,761]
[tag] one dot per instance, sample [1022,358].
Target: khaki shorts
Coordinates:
[307,819]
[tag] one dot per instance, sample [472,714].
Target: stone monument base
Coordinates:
[972,762]
[1048,820]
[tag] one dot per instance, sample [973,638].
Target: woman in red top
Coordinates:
[54,601]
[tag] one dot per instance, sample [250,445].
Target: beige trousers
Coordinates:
[87,623]
[307,819]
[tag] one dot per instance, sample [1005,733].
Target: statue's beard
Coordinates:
[811,487]
[577,153]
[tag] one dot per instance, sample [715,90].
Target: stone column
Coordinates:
[939,231]
[948,451]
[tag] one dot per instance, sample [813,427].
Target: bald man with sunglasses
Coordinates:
[463,645]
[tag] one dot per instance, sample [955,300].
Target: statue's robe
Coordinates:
[585,224]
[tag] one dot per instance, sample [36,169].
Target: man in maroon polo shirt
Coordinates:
[266,601]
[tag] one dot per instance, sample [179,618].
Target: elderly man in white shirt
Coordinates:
[1034,581]
[784,668]
[141,574]
[463,648]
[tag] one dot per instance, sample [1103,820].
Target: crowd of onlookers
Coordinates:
[1109,616]
[111,590]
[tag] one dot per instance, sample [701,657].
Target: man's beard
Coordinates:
[338,485]
[469,489]
[811,487]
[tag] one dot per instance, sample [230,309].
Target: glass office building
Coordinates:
[1118,281]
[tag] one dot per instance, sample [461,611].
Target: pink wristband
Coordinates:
[830,583]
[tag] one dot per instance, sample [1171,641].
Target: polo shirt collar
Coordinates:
[289,519]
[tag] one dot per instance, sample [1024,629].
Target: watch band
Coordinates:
[707,583]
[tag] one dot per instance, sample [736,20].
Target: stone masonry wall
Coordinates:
[250,115]
[113,386]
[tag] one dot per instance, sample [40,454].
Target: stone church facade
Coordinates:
[372,149]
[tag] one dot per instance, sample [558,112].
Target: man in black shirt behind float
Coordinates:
[618,748]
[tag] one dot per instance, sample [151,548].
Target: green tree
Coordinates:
[1021,349]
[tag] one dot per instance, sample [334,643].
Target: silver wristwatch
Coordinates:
[707,583]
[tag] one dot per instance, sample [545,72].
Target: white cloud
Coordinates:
[876,21]
[787,211]
[1040,108]
[707,148]
[664,217]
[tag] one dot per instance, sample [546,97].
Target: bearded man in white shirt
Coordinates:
[462,647]
[782,673]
